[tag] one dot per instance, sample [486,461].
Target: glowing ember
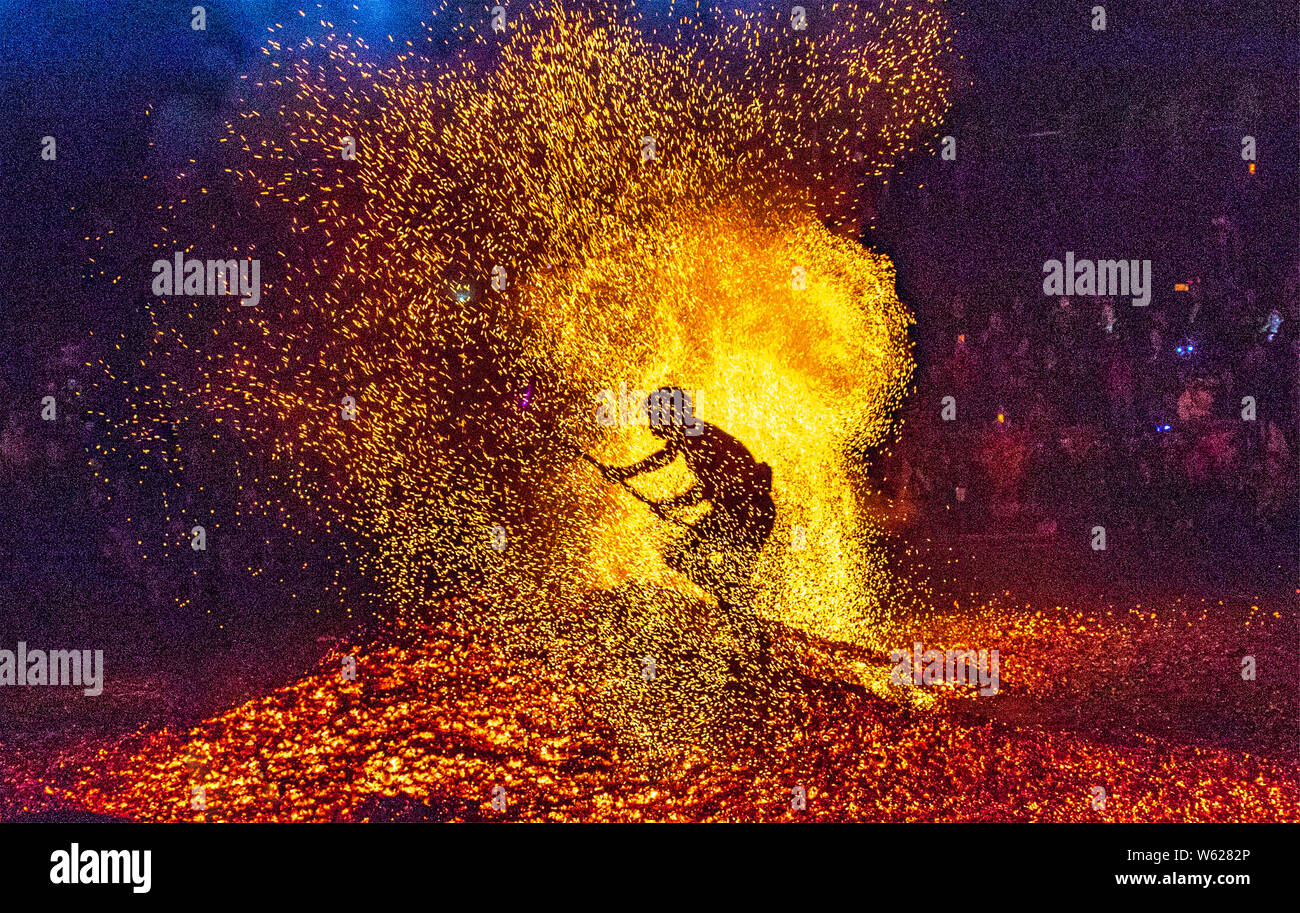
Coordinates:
[431,730]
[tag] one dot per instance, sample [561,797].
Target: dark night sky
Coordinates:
[86,72]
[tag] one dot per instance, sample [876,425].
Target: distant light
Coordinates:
[1180,286]
[1163,428]
[1252,167]
[1001,417]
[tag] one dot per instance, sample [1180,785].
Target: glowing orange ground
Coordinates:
[1145,702]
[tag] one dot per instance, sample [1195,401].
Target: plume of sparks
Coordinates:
[521,153]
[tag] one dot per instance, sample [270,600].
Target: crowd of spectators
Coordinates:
[1174,419]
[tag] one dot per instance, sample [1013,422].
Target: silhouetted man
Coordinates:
[718,552]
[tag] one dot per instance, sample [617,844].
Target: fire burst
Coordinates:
[580,198]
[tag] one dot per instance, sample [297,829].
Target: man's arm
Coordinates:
[691,496]
[654,461]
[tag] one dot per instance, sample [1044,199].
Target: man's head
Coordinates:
[671,412]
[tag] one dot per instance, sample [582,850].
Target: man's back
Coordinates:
[724,468]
